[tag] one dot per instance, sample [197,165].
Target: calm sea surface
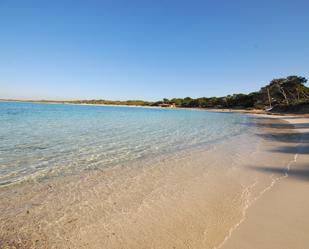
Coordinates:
[42,140]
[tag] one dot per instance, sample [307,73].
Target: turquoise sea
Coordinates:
[42,140]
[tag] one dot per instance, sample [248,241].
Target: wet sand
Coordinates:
[280,218]
[195,199]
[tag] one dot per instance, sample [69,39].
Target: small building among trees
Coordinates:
[168,105]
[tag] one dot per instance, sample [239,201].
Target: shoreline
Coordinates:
[216,110]
[191,175]
[280,211]
[174,187]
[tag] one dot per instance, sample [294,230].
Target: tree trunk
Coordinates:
[284,95]
[269,98]
[305,95]
[292,94]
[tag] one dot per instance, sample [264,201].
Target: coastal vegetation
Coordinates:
[113,102]
[282,94]
[289,91]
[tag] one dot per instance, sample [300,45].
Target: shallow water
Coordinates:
[42,140]
[187,186]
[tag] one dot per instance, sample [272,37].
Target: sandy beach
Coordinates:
[279,218]
[154,125]
[246,192]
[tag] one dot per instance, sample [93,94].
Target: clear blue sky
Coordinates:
[148,49]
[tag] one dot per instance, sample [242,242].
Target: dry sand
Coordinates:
[280,218]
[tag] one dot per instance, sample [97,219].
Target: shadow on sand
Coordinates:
[262,122]
[286,137]
[300,149]
[300,174]
[296,143]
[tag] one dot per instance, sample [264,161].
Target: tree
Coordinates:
[287,90]
[165,100]
[295,87]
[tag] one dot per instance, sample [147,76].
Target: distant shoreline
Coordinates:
[219,110]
